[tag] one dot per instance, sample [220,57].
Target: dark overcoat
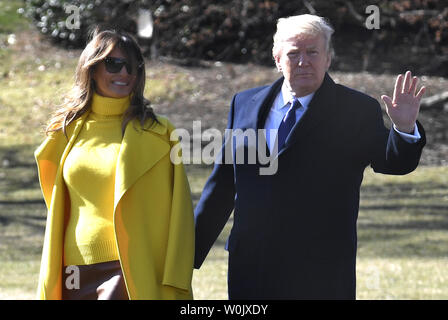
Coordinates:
[294,232]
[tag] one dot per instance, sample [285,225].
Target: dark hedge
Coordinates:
[412,33]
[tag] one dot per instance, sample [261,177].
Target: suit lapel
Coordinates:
[254,114]
[320,108]
[140,150]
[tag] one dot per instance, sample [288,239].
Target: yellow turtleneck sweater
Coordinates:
[89,173]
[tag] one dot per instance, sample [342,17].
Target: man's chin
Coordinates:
[301,90]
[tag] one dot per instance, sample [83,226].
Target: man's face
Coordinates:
[303,60]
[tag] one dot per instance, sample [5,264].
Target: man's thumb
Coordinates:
[387,101]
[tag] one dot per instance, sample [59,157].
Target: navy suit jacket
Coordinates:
[294,232]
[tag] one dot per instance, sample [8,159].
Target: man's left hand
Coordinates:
[404,107]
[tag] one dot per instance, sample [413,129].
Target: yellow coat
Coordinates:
[153,213]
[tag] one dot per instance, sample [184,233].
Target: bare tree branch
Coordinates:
[353,12]
[310,8]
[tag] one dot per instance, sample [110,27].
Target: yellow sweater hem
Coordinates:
[84,254]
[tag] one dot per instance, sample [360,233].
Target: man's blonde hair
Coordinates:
[305,24]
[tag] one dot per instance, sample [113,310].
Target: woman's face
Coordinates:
[114,85]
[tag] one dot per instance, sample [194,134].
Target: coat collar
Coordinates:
[256,112]
[140,150]
[320,108]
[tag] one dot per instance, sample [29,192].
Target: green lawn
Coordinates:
[402,230]
[10,20]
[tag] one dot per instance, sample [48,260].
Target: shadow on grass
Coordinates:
[35,224]
[17,156]
[21,203]
[405,190]
[441,210]
[19,183]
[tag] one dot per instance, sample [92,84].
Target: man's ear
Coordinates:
[277,63]
[328,60]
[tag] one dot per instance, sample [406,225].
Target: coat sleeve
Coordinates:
[216,203]
[389,152]
[178,269]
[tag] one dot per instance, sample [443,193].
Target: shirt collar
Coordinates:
[287,96]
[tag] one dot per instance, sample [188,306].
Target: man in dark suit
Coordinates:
[294,231]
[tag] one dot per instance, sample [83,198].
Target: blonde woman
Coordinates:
[120,219]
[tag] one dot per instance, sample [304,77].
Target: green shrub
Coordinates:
[242,31]
[58,19]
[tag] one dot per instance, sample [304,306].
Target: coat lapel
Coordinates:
[50,157]
[140,150]
[255,111]
[320,108]
[77,128]
[51,154]
[254,115]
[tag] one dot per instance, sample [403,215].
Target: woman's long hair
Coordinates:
[78,100]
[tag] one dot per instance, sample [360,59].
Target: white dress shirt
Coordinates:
[281,105]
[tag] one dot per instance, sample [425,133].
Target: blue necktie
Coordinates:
[287,123]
